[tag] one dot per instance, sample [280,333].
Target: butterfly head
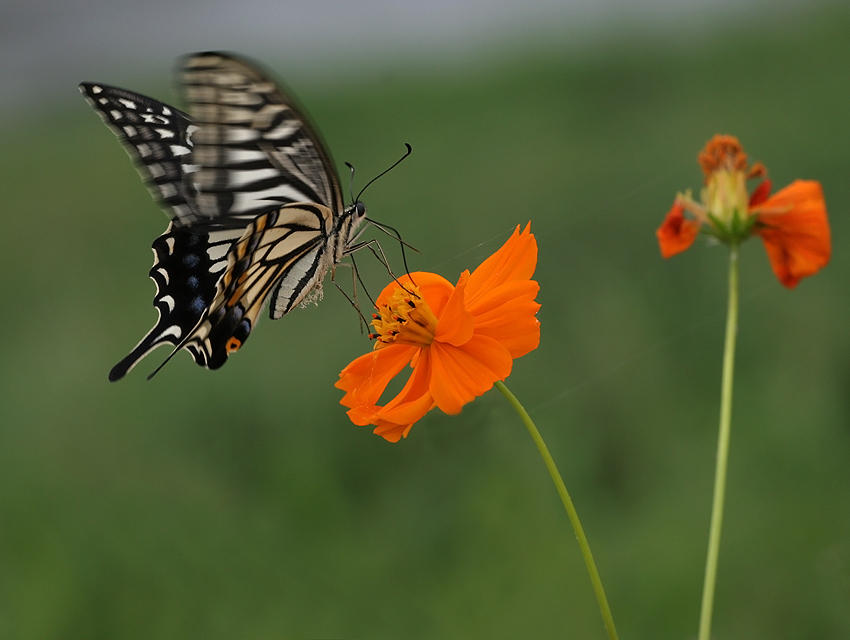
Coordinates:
[348,227]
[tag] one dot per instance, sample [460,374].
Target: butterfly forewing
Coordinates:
[253,148]
[158,139]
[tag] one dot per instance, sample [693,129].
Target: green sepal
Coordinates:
[740,229]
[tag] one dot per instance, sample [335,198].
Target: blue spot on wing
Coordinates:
[197,305]
[191,260]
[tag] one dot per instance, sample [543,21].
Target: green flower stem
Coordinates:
[568,505]
[722,450]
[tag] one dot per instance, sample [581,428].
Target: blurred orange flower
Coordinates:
[459,339]
[792,223]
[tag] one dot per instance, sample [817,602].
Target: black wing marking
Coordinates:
[158,139]
[188,262]
[254,148]
[282,248]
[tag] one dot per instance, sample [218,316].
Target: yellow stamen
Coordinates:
[405,319]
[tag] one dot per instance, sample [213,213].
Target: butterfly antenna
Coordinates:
[383,173]
[351,181]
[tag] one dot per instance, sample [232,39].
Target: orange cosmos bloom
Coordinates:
[458,339]
[792,223]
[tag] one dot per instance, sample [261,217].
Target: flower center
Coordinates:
[405,319]
[725,197]
[722,153]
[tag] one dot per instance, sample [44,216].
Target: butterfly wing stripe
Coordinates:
[254,147]
[279,237]
[157,138]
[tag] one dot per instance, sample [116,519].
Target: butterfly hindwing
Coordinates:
[284,249]
[188,262]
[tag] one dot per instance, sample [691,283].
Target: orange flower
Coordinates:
[459,339]
[792,223]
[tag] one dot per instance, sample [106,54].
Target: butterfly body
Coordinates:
[256,207]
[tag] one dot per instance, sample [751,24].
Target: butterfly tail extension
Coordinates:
[150,342]
[161,333]
[131,360]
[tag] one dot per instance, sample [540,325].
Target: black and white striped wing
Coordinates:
[253,148]
[158,139]
[188,261]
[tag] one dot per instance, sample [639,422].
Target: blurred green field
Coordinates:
[243,503]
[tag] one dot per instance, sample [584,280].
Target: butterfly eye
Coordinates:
[361,209]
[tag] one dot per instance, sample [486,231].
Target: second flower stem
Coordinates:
[568,505]
[722,450]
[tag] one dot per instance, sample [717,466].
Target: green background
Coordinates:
[243,503]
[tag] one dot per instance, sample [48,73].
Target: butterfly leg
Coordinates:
[377,250]
[393,233]
[355,277]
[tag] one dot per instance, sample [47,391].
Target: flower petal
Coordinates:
[365,379]
[456,324]
[760,193]
[515,260]
[677,232]
[412,402]
[795,230]
[392,421]
[461,374]
[390,431]
[508,315]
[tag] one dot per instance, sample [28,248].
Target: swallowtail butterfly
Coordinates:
[255,203]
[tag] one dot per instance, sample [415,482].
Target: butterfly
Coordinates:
[257,213]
